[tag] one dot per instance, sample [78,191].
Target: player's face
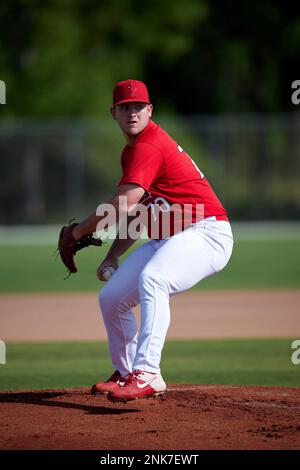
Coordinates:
[132,117]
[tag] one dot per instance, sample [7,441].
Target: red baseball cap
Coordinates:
[130,91]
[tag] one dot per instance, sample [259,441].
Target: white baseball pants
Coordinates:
[149,276]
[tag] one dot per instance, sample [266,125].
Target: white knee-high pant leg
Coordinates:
[177,265]
[116,300]
[149,276]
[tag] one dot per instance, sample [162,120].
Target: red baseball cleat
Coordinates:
[114,382]
[139,384]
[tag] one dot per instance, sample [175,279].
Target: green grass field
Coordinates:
[271,260]
[254,265]
[64,365]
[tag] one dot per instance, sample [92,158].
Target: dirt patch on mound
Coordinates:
[186,417]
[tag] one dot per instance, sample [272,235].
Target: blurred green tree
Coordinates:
[62,57]
[243,58]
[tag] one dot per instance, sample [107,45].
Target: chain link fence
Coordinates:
[53,170]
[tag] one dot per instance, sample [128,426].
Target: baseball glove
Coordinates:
[68,247]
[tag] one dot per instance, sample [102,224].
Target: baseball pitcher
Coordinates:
[196,242]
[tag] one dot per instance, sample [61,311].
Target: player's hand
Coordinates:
[109,261]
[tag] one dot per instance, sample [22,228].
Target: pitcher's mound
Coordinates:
[186,417]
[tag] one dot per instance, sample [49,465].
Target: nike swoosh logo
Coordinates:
[143,385]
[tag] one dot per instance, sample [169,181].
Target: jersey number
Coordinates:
[199,171]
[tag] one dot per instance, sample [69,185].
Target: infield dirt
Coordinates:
[187,417]
[194,314]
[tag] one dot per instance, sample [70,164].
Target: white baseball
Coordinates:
[107,272]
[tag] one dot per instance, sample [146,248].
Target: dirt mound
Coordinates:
[186,417]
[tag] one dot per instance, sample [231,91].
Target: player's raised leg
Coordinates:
[178,264]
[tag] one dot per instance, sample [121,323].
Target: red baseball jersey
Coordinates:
[169,176]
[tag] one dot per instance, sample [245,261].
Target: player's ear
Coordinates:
[113,112]
[150,109]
